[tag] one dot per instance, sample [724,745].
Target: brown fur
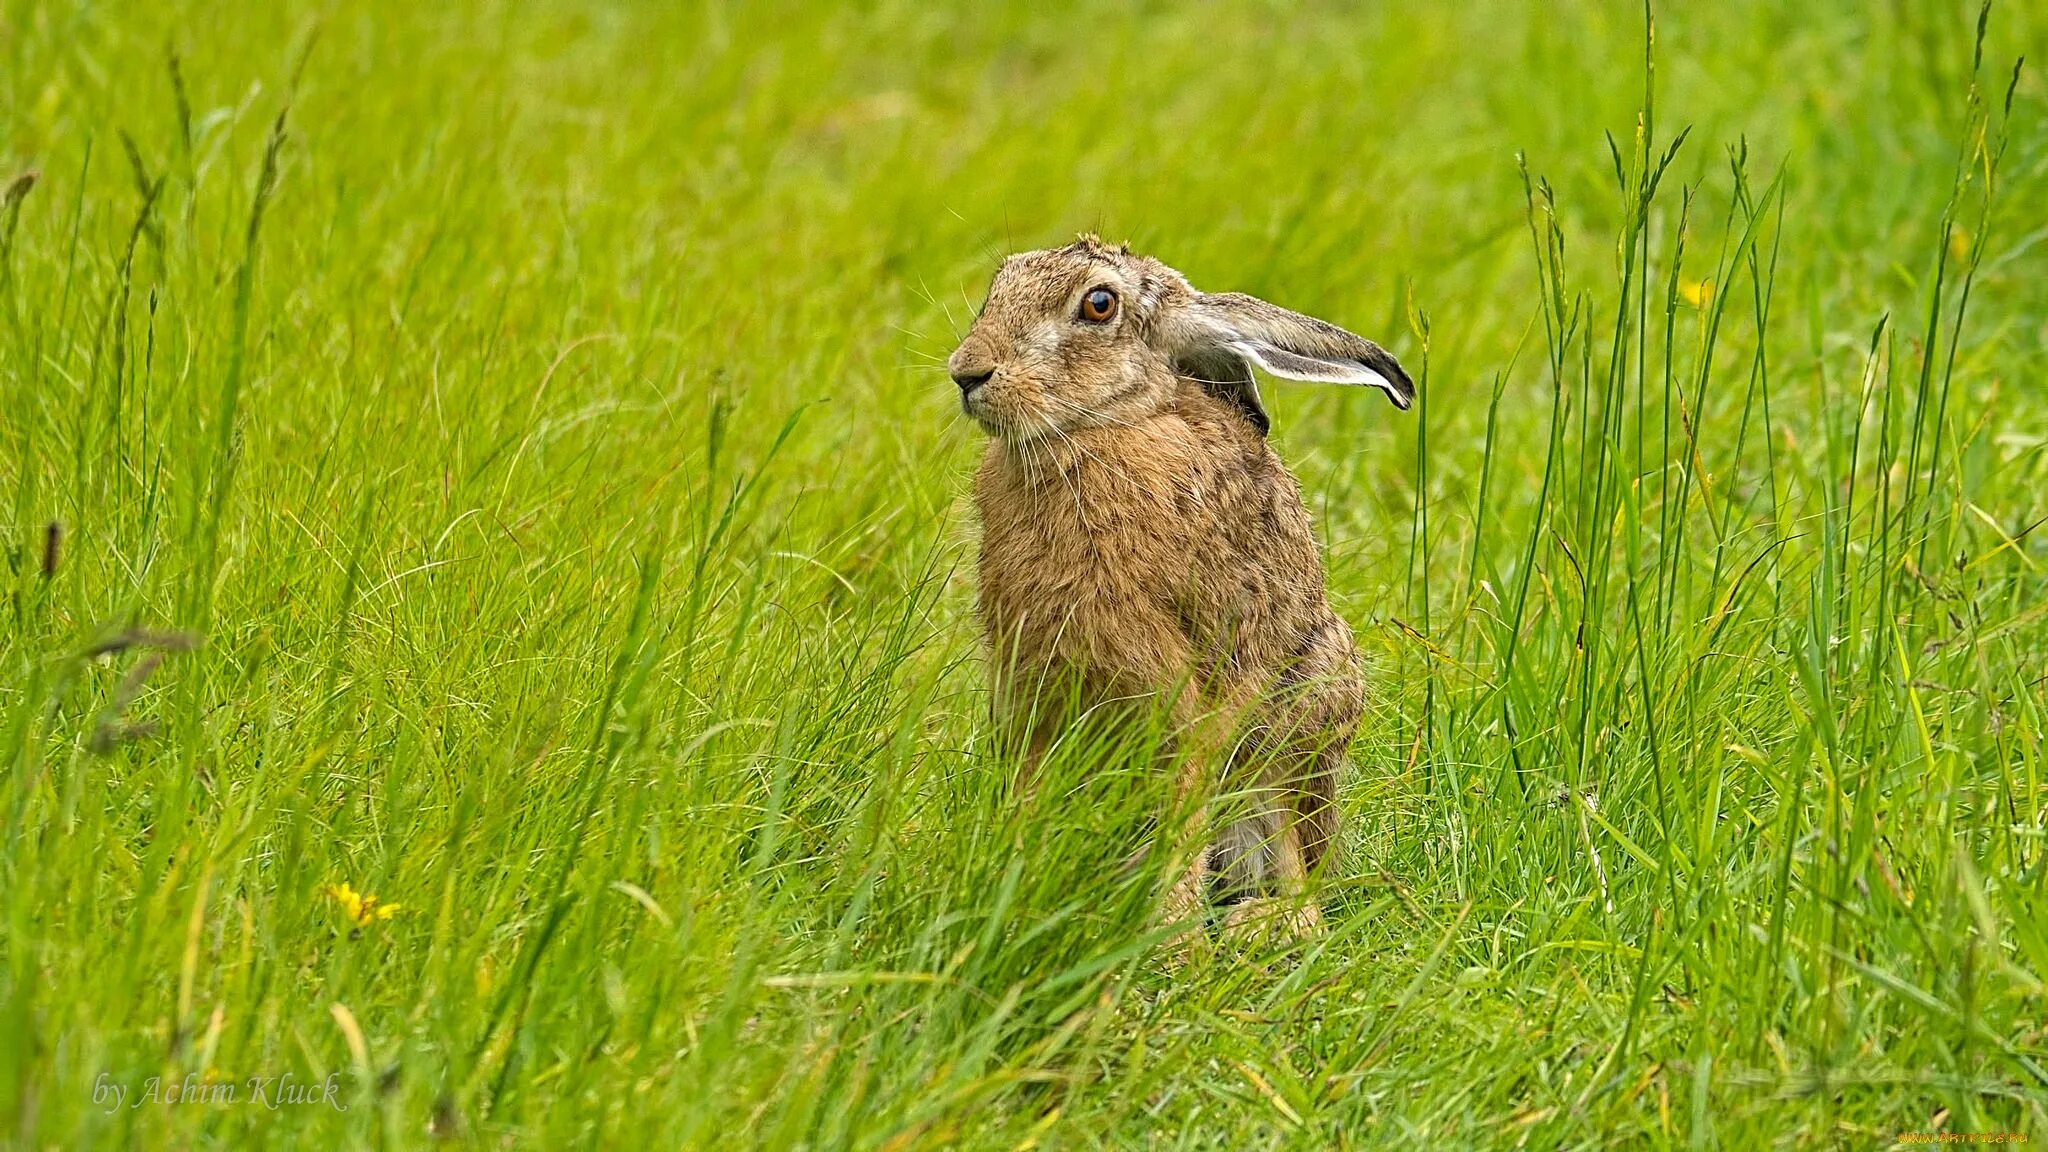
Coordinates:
[1142,541]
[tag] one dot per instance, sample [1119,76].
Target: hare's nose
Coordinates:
[971,365]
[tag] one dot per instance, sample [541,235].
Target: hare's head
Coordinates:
[1093,334]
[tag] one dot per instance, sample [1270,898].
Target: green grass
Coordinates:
[499,461]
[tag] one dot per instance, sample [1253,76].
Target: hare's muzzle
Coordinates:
[970,365]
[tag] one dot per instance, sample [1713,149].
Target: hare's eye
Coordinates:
[1098,306]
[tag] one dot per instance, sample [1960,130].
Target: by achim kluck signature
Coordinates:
[272,1092]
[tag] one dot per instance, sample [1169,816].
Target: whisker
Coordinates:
[1079,511]
[1120,473]
[1081,448]
[941,306]
[1087,411]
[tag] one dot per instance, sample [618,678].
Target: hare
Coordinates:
[1142,541]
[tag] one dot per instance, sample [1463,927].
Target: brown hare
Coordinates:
[1142,541]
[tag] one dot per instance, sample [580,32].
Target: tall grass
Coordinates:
[497,461]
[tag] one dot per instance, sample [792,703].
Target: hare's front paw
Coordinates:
[1282,917]
[1182,914]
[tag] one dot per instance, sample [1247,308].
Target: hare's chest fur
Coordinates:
[1135,556]
[1078,546]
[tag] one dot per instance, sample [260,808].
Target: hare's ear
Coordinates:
[1220,335]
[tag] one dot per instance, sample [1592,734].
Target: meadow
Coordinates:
[487,623]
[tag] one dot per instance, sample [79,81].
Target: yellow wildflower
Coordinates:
[1698,293]
[362,910]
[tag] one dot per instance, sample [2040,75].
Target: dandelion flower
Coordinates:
[362,910]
